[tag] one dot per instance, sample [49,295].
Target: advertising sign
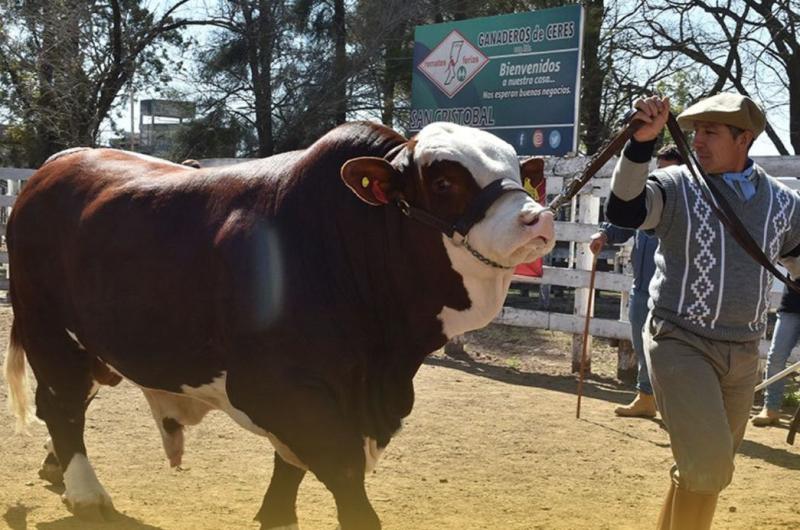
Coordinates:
[517,76]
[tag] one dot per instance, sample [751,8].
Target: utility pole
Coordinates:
[133,107]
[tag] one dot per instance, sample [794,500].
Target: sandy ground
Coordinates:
[492,442]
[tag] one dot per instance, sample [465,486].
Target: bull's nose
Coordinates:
[541,224]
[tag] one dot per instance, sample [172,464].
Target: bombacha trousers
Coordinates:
[704,392]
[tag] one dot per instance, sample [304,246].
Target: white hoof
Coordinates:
[85,496]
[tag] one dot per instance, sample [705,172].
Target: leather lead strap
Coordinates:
[721,208]
[614,146]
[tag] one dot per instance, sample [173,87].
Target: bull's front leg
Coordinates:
[308,422]
[278,510]
[336,456]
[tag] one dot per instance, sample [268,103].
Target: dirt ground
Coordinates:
[492,442]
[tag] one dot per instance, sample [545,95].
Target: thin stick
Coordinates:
[780,375]
[585,345]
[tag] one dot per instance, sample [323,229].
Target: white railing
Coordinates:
[13,178]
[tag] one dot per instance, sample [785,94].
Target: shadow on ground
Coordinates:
[594,386]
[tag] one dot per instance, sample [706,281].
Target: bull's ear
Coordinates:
[531,171]
[371,179]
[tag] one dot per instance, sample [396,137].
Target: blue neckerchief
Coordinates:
[745,189]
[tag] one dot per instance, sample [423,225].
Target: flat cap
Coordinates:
[729,109]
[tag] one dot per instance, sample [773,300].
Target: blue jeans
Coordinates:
[784,338]
[637,314]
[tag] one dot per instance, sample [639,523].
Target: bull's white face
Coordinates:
[515,230]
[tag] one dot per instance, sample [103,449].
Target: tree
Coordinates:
[746,45]
[63,64]
[218,134]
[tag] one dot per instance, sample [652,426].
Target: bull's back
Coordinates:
[120,253]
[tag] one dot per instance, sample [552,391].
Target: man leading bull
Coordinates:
[708,299]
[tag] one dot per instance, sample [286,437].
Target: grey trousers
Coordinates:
[704,392]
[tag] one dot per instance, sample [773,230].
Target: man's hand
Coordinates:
[598,241]
[653,112]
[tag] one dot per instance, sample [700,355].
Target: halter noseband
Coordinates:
[474,213]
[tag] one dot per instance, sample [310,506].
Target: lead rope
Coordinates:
[612,147]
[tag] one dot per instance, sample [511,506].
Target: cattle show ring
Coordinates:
[429,324]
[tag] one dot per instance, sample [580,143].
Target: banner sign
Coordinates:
[517,76]
[535,184]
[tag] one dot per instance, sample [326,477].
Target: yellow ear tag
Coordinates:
[528,185]
[365,182]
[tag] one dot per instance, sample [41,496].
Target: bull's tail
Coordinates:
[19,393]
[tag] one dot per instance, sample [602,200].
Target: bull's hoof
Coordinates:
[52,473]
[101,511]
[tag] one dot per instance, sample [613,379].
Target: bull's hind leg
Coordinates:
[51,468]
[278,509]
[66,385]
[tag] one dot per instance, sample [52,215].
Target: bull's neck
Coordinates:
[486,287]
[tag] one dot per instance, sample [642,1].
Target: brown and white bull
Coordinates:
[266,289]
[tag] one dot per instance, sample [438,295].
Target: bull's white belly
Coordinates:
[215,395]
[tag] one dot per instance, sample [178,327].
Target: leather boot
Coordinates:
[766,417]
[642,406]
[685,510]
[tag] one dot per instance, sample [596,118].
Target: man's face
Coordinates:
[717,150]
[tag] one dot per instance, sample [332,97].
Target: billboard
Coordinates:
[167,108]
[517,76]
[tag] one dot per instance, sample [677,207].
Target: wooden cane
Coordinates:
[585,345]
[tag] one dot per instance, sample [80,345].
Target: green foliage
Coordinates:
[219,134]
[63,64]
[791,396]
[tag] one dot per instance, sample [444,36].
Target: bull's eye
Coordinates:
[441,185]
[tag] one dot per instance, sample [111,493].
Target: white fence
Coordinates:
[577,231]
[13,178]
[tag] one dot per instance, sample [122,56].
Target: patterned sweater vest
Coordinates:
[704,281]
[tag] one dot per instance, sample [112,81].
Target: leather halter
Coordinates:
[474,213]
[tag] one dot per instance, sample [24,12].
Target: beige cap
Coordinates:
[729,109]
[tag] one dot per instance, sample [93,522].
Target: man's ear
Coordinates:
[746,138]
[372,179]
[531,171]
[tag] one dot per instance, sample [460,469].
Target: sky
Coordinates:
[763,146]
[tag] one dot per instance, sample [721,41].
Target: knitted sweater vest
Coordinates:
[704,281]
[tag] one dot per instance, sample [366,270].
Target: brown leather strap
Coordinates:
[721,208]
[611,148]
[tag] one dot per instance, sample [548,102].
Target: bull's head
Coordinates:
[468,184]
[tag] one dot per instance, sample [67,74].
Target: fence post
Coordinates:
[627,363]
[589,212]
